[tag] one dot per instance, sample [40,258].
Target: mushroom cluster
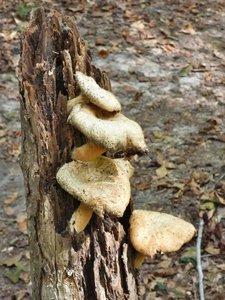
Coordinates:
[102,184]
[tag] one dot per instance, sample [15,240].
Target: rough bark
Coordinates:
[96,263]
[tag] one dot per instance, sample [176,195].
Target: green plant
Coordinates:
[23,11]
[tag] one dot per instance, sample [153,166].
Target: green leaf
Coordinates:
[207,206]
[13,274]
[161,287]
[178,293]
[185,71]
[189,256]
[23,11]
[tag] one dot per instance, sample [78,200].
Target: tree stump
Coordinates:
[97,263]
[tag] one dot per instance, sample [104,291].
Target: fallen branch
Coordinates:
[199,263]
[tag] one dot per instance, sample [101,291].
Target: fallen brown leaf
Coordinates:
[22,222]
[188,29]
[211,249]
[165,272]
[220,138]
[103,53]
[143,186]
[11,198]
[11,261]
[9,210]
[100,42]
[21,294]
[161,172]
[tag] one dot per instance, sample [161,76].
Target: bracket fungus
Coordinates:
[101,184]
[95,94]
[115,132]
[152,231]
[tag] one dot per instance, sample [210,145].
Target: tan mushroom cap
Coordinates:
[97,95]
[154,231]
[102,184]
[115,132]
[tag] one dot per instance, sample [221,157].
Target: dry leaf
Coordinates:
[212,250]
[188,29]
[11,261]
[165,272]
[213,197]
[21,294]
[165,263]
[11,198]
[161,172]
[169,48]
[195,187]
[103,53]
[100,42]
[208,196]
[15,150]
[22,222]
[220,138]
[221,267]
[163,162]
[219,199]
[9,210]
[143,186]
[25,277]
[138,25]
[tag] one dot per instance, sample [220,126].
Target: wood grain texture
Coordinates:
[96,264]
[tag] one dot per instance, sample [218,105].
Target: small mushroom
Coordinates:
[101,184]
[114,132]
[95,94]
[87,151]
[152,231]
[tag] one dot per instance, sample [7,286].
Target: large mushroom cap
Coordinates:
[97,95]
[115,132]
[102,184]
[154,231]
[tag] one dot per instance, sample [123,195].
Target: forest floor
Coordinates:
[166,62]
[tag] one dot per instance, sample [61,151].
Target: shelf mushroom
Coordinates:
[96,114]
[95,94]
[152,231]
[101,185]
[113,132]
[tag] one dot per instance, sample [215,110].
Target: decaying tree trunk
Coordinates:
[95,264]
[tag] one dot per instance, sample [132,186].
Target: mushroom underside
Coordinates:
[88,151]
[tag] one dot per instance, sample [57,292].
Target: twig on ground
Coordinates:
[199,264]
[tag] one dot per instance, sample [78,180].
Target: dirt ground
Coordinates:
[166,62]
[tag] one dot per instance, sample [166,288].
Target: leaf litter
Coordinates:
[178,98]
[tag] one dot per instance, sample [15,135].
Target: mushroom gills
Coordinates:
[80,218]
[88,152]
[138,260]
